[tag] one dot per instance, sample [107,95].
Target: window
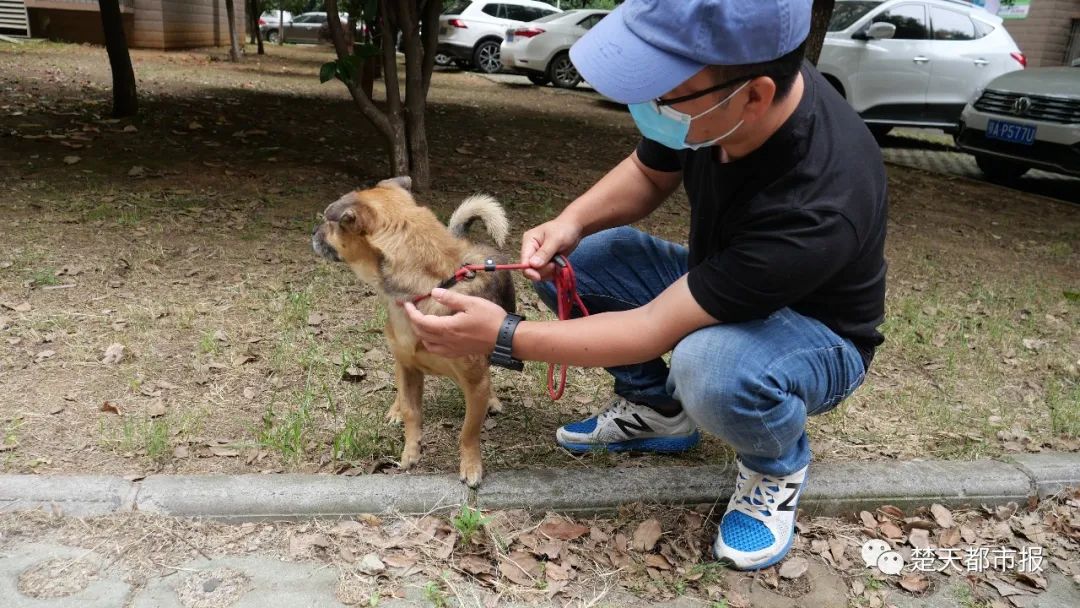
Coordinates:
[519,13]
[949,25]
[591,20]
[1072,53]
[495,10]
[909,19]
[302,19]
[318,19]
[457,8]
[982,28]
[847,13]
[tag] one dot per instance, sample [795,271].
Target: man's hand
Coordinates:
[542,243]
[471,330]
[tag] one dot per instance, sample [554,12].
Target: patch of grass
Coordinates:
[468,522]
[435,594]
[963,595]
[11,433]
[1063,399]
[364,439]
[287,433]
[208,345]
[150,437]
[44,276]
[297,308]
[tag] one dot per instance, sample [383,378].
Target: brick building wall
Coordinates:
[1044,35]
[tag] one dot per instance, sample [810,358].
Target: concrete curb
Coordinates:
[833,489]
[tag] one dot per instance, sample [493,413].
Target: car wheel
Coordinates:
[998,169]
[272,36]
[562,72]
[486,57]
[537,79]
[442,59]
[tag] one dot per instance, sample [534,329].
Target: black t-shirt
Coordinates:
[799,222]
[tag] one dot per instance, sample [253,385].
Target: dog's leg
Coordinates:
[477,389]
[410,386]
[494,405]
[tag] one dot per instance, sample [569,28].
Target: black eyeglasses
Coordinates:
[667,102]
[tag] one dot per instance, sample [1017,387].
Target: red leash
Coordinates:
[565,293]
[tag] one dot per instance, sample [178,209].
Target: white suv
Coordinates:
[472,30]
[914,62]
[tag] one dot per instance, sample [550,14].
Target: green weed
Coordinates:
[468,522]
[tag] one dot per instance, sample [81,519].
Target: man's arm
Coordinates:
[626,194]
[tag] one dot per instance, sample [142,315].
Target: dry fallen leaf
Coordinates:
[657,561]
[136,171]
[156,409]
[223,451]
[114,354]
[353,373]
[315,319]
[891,530]
[794,567]
[300,544]
[646,535]
[71,160]
[868,519]
[110,407]
[942,516]
[45,354]
[919,538]
[563,530]
[371,564]
[180,451]
[475,564]
[520,567]
[915,583]
[1032,579]
[1004,589]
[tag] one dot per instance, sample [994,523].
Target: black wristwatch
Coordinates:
[504,344]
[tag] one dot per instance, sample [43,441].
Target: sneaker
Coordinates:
[623,426]
[759,524]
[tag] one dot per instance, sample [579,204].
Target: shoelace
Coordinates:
[757,495]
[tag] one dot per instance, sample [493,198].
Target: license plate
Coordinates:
[1010,132]
[510,36]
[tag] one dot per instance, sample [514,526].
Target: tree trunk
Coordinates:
[256,33]
[125,98]
[819,24]
[234,40]
[281,27]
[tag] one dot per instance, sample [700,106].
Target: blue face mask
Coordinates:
[669,127]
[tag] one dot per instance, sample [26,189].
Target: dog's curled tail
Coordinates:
[487,209]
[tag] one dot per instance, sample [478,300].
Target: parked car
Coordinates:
[441,59]
[540,49]
[471,31]
[914,62]
[1023,120]
[307,28]
[270,18]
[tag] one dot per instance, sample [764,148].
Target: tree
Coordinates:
[819,24]
[401,121]
[256,33]
[234,42]
[125,98]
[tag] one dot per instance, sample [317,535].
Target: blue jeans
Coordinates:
[752,384]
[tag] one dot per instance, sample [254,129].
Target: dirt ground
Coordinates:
[641,556]
[161,309]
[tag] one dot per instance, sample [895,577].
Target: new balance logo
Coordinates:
[786,504]
[625,425]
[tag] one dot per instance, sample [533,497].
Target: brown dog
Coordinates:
[403,251]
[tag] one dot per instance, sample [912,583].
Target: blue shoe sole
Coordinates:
[663,445]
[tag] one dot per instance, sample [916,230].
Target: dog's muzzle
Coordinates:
[321,247]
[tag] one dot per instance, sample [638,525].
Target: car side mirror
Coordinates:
[881,30]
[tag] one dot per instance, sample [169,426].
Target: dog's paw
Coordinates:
[394,414]
[494,405]
[409,457]
[472,471]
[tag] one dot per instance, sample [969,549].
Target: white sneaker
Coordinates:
[759,524]
[624,426]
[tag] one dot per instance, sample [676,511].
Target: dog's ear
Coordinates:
[357,219]
[402,181]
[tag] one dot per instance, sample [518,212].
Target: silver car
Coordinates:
[1025,119]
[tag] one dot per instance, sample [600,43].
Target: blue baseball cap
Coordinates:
[646,48]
